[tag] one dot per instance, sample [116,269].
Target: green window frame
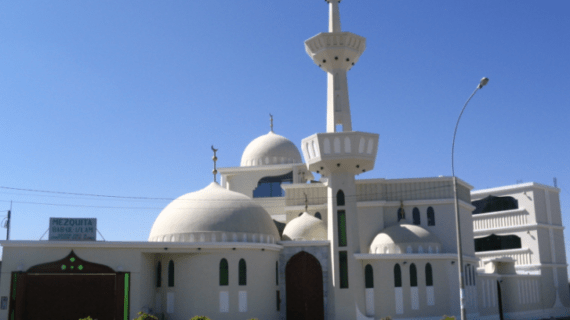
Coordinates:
[341,220]
[343,268]
[413,276]
[159,275]
[397,276]
[242,273]
[224,273]
[171,273]
[368,277]
[429,275]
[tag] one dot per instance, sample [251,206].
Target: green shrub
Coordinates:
[200,318]
[145,316]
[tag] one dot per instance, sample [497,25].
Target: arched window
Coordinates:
[468,274]
[368,277]
[416,216]
[340,198]
[318,215]
[401,214]
[397,276]
[242,273]
[431,216]
[171,273]
[276,273]
[158,275]
[429,275]
[224,277]
[413,275]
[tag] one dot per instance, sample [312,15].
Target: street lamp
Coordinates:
[481,84]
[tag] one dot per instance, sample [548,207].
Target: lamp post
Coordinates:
[460,269]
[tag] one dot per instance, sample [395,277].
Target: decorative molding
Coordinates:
[70,264]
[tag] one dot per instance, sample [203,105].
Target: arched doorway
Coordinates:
[304,287]
[69,289]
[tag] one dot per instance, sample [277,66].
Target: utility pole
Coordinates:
[8,222]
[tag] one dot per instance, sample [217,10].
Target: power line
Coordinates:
[84,194]
[320,200]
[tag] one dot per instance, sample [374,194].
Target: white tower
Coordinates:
[336,52]
[339,156]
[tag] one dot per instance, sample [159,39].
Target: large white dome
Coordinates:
[269,149]
[214,214]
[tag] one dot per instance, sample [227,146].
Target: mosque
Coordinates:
[270,242]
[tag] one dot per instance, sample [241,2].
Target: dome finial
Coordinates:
[271,120]
[215,171]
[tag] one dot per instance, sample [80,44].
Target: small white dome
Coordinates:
[214,214]
[269,149]
[305,227]
[402,237]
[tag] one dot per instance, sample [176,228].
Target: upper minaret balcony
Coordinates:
[336,52]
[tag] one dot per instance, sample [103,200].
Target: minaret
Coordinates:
[338,157]
[336,52]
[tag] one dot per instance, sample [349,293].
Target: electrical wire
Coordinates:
[318,200]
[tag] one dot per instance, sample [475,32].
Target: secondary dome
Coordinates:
[405,238]
[305,227]
[214,214]
[269,149]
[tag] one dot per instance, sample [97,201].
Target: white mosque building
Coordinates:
[269,242]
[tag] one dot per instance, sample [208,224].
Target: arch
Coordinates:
[370,146]
[276,273]
[318,215]
[327,146]
[340,198]
[361,145]
[429,275]
[401,214]
[242,273]
[347,146]
[171,273]
[413,275]
[368,277]
[158,274]
[304,288]
[224,272]
[397,276]
[431,216]
[409,249]
[416,216]
[336,145]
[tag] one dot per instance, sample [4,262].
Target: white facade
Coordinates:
[268,242]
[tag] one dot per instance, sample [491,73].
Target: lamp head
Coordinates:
[483,82]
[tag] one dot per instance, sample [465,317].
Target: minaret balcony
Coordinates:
[337,50]
[354,152]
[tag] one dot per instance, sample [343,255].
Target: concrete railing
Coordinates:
[521,256]
[500,219]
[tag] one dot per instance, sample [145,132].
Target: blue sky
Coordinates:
[126,97]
